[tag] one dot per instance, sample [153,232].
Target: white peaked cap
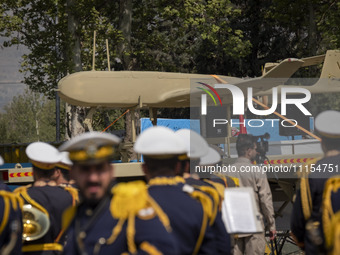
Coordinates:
[81,141]
[159,140]
[91,146]
[43,155]
[65,158]
[327,124]
[212,157]
[195,144]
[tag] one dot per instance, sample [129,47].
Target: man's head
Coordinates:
[161,150]
[44,158]
[92,171]
[196,147]
[246,146]
[327,124]
[62,170]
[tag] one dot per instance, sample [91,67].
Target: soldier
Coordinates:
[189,210]
[306,215]
[331,215]
[44,203]
[197,147]
[255,243]
[10,218]
[110,218]
[62,169]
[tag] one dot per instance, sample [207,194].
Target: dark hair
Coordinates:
[243,143]
[331,143]
[158,167]
[42,173]
[65,173]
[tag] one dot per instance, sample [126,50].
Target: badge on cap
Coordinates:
[91,146]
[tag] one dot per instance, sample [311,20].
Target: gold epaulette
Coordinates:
[73,192]
[131,200]
[235,180]
[207,206]
[67,218]
[11,200]
[330,219]
[227,179]
[306,197]
[216,201]
[305,169]
[218,186]
[22,191]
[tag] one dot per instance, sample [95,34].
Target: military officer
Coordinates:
[306,215]
[189,210]
[331,215]
[62,169]
[197,147]
[10,218]
[110,218]
[44,203]
[213,158]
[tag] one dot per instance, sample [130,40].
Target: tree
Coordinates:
[29,117]
[53,32]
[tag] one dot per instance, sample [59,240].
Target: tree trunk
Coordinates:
[124,47]
[75,115]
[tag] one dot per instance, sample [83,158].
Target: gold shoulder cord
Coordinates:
[128,200]
[306,197]
[331,221]
[10,200]
[216,201]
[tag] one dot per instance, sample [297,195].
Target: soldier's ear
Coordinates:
[178,168]
[146,171]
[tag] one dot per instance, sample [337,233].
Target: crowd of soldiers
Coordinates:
[75,206]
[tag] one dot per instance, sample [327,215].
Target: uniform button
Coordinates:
[82,235]
[101,240]
[89,212]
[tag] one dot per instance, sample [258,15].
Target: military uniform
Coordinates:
[10,227]
[200,153]
[307,205]
[123,223]
[190,210]
[306,215]
[331,215]
[189,218]
[42,221]
[121,220]
[52,201]
[222,238]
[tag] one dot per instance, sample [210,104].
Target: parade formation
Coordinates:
[172,212]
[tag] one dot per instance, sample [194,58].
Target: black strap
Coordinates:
[78,229]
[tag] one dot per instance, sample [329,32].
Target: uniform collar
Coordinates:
[166,180]
[243,160]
